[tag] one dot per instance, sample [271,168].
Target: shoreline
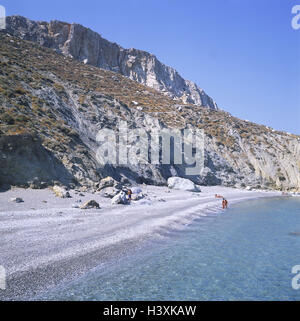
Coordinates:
[45,242]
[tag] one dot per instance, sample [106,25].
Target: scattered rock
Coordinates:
[109,192]
[136,190]
[108,182]
[37,184]
[120,198]
[17,200]
[162,200]
[137,197]
[182,184]
[61,192]
[90,204]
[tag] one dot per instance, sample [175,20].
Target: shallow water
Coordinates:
[244,253]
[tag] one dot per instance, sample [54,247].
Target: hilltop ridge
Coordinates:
[81,43]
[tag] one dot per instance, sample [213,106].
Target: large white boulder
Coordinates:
[182,184]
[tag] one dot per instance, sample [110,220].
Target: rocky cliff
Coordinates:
[83,44]
[62,103]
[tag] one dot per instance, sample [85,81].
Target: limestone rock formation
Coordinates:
[52,108]
[87,46]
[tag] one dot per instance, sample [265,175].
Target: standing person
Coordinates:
[224,203]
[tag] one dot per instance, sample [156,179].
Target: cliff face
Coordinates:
[85,45]
[64,103]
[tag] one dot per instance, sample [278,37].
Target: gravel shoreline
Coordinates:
[45,242]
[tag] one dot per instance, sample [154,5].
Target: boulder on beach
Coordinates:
[107,182]
[109,192]
[90,204]
[182,184]
[136,190]
[60,192]
[17,200]
[120,198]
[37,184]
[137,197]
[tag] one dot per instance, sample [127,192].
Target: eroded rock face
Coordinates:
[25,162]
[65,105]
[85,45]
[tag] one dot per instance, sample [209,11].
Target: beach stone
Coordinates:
[17,200]
[37,184]
[182,184]
[137,197]
[60,192]
[120,199]
[109,192]
[107,182]
[90,204]
[136,190]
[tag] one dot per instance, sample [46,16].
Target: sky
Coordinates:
[243,53]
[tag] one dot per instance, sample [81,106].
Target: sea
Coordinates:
[248,252]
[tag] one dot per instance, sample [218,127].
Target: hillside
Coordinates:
[52,106]
[85,45]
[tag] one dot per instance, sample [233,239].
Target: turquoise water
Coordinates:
[244,253]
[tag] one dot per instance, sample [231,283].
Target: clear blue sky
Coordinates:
[243,53]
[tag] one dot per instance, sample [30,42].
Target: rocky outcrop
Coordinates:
[65,103]
[23,160]
[85,45]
